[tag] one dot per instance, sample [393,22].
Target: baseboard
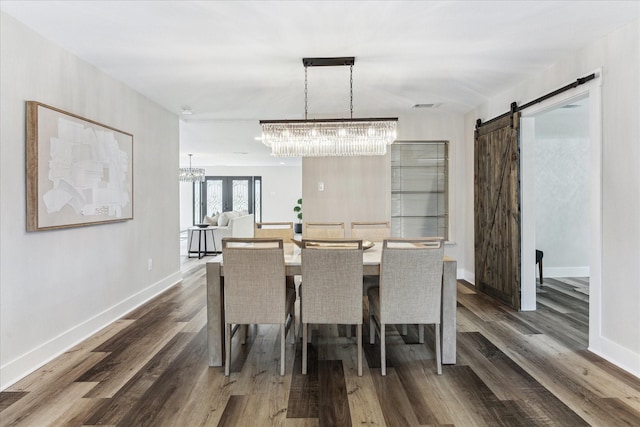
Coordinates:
[469,276]
[22,366]
[620,356]
[550,272]
[565,272]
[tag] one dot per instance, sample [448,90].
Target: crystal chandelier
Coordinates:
[329,137]
[191,174]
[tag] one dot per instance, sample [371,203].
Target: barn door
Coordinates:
[497,209]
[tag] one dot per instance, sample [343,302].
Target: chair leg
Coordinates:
[245,333]
[383,356]
[540,269]
[372,330]
[292,334]
[304,349]
[227,349]
[282,342]
[348,331]
[292,325]
[405,331]
[438,350]
[359,338]
[421,333]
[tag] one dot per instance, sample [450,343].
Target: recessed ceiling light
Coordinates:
[240,152]
[186,110]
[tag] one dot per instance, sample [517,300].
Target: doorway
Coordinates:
[562,210]
[219,194]
[589,96]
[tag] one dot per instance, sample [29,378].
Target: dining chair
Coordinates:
[323,230]
[281,230]
[332,283]
[255,290]
[372,231]
[410,290]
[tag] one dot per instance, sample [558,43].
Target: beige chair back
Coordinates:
[411,280]
[372,231]
[332,281]
[281,230]
[323,230]
[254,280]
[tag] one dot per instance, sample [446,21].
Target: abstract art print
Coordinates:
[79,172]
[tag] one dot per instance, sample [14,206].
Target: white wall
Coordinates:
[58,287]
[353,189]
[281,188]
[615,336]
[562,206]
[562,191]
[186,205]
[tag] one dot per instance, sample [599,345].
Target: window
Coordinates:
[420,189]
[227,193]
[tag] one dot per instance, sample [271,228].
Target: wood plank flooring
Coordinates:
[150,369]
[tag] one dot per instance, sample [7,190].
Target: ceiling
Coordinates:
[236,62]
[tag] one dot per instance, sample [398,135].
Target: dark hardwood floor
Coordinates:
[567,300]
[150,368]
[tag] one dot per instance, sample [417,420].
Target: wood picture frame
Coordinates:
[79,172]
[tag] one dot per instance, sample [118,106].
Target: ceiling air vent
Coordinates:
[426,105]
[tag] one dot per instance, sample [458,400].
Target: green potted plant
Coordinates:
[297,228]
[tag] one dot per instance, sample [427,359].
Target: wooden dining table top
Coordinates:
[292,256]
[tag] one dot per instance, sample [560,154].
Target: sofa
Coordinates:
[226,224]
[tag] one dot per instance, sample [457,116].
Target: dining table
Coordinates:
[371,267]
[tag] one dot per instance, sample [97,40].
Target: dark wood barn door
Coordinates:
[497,209]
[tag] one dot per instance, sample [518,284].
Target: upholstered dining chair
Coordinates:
[255,290]
[372,231]
[410,290]
[323,230]
[331,287]
[281,230]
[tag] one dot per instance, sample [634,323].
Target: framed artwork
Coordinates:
[79,172]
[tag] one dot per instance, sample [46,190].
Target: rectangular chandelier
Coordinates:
[329,137]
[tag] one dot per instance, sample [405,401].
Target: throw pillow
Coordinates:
[213,220]
[223,219]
